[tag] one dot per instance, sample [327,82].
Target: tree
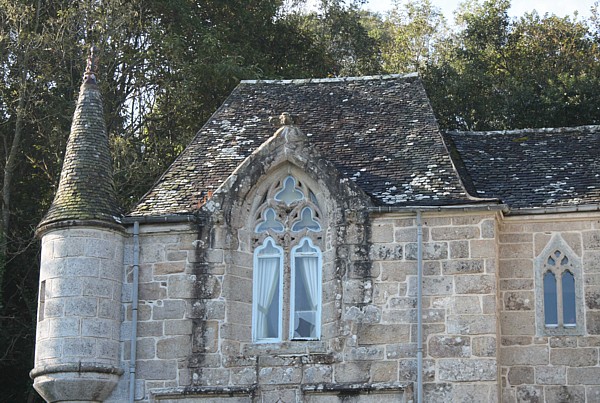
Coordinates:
[485,79]
[413,33]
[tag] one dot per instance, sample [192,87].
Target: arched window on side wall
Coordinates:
[559,300]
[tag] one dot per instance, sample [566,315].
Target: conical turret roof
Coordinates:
[85,191]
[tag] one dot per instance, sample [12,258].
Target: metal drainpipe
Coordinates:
[419,308]
[134,309]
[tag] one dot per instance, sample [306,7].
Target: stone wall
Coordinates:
[79,313]
[536,367]
[194,317]
[459,306]
[166,312]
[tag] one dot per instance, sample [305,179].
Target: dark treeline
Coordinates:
[165,66]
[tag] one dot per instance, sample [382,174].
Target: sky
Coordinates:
[519,7]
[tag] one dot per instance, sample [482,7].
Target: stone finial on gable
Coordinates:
[91,68]
[285,119]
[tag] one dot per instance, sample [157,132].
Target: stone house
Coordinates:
[345,250]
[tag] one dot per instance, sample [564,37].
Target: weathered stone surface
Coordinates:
[483,248]
[382,232]
[457,266]
[432,285]
[565,394]
[459,249]
[407,370]
[531,355]
[454,233]
[471,324]
[520,375]
[156,369]
[170,309]
[519,301]
[476,284]
[383,334]
[550,375]
[431,251]
[317,374]
[174,347]
[592,297]
[384,371]
[583,376]
[449,346]
[484,346]
[592,319]
[352,372]
[437,392]
[517,323]
[364,353]
[516,340]
[279,375]
[386,251]
[467,370]
[574,357]
[530,394]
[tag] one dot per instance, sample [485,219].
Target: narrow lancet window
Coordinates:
[568,299]
[306,291]
[550,300]
[268,285]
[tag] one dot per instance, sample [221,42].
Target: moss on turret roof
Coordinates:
[86,191]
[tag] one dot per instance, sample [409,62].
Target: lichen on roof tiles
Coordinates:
[378,131]
[533,167]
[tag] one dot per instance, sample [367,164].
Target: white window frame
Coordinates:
[319,293]
[255,291]
[288,213]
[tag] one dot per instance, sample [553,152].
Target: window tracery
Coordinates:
[287,239]
[559,290]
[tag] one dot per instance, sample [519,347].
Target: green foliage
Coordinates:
[529,72]
[414,33]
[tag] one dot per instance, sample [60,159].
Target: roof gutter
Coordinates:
[168,218]
[459,207]
[582,208]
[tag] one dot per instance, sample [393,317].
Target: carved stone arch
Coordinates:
[558,257]
[288,147]
[343,216]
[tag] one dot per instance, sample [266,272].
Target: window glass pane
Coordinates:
[289,193]
[267,292]
[306,221]
[568,299]
[307,292]
[550,300]
[269,222]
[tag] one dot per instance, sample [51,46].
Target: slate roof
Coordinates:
[378,131]
[85,190]
[533,167]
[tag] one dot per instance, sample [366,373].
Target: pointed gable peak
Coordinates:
[85,191]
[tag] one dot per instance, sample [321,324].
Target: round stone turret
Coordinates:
[77,355]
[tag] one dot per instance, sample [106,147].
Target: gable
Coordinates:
[379,132]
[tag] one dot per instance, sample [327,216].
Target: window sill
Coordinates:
[300,347]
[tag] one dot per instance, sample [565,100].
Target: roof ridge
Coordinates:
[332,79]
[564,129]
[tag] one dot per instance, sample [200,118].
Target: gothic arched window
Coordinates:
[287,278]
[559,299]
